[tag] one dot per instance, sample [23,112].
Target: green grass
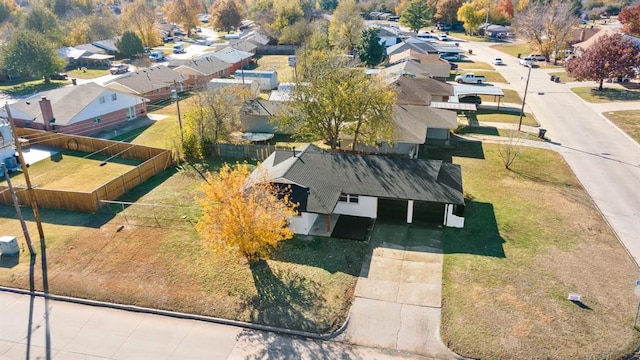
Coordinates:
[491,76]
[279,64]
[77,171]
[465,66]
[493,131]
[510,97]
[628,121]
[484,115]
[514,49]
[88,73]
[607,94]
[564,77]
[21,88]
[532,236]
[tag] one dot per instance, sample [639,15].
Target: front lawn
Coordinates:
[628,121]
[483,115]
[150,255]
[608,94]
[510,97]
[87,73]
[514,49]
[531,237]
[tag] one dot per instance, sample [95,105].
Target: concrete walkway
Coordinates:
[398,299]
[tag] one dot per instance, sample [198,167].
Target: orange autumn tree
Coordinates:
[244,212]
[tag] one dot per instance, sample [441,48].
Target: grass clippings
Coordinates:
[531,237]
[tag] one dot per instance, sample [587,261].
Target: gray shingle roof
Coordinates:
[144,81]
[327,175]
[258,107]
[205,66]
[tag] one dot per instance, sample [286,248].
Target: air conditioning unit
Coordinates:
[9,245]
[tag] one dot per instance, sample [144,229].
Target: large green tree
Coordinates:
[130,44]
[42,20]
[370,51]
[226,15]
[417,15]
[345,28]
[611,56]
[332,100]
[31,54]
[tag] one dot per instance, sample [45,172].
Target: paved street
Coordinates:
[605,160]
[91,333]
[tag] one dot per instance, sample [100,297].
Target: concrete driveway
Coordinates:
[398,298]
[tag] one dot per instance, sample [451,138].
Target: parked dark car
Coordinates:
[59,76]
[453,65]
[470,99]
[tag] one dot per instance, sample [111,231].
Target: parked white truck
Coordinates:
[470,78]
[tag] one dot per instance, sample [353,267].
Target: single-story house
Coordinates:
[388,36]
[82,110]
[155,83]
[85,55]
[237,58]
[108,45]
[413,67]
[494,31]
[327,184]
[419,91]
[201,71]
[439,69]
[417,45]
[256,115]
[578,35]
[414,125]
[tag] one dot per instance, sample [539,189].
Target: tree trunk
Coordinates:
[600,86]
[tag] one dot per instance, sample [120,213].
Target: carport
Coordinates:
[461,90]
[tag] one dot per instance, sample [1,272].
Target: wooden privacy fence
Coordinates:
[249,152]
[154,161]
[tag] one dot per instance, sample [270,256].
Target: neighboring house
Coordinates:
[256,116]
[201,71]
[419,91]
[108,45]
[327,185]
[388,36]
[584,45]
[414,125]
[82,110]
[578,35]
[245,45]
[85,55]
[154,83]
[438,68]
[413,67]
[237,58]
[417,45]
[495,31]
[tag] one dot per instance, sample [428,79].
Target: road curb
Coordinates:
[180,315]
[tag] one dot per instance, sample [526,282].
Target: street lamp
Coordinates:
[524,98]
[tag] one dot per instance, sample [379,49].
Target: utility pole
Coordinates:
[23,224]
[524,98]
[177,98]
[27,179]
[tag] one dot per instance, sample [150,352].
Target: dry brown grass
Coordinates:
[628,121]
[307,285]
[532,236]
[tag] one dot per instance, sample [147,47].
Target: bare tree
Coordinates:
[546,26]
[510,149]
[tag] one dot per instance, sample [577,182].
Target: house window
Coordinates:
[27,123]
[114,97]
[96,120]
[348,198]
[101,99]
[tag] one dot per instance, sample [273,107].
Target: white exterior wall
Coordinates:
[452,220]
[96,109]
[302,224]
[367,206]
